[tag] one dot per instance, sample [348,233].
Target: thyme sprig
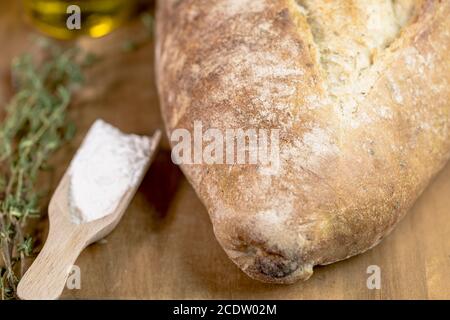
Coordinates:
[35,126]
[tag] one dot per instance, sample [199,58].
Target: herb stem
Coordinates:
[34,128]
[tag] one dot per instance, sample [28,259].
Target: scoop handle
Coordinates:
[47,276]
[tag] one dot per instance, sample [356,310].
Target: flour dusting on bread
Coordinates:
[360,92]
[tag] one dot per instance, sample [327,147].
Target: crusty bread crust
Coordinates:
[361,93]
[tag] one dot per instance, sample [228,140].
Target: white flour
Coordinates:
[105,167]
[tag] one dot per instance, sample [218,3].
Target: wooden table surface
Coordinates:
[164,247]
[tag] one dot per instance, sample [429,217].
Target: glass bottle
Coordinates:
[97,17]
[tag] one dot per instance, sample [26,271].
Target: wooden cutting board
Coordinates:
[164,247]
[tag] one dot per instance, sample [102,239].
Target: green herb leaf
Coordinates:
[35,126]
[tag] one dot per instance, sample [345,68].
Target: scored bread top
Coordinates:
[360,90]
[350,35]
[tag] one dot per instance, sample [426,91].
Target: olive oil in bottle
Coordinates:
[97,17]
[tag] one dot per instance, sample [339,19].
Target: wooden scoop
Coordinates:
[47,276]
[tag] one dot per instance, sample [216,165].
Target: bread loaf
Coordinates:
[360,91]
